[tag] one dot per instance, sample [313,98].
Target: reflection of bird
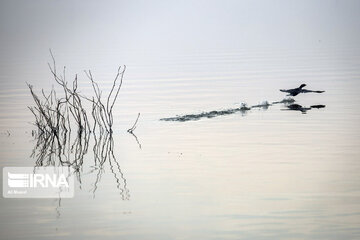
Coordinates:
[294,91]
[297,107]
[317,106]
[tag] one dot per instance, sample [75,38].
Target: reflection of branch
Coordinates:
[98,178]
[49,148]
[104,150]
[132,129]
[57,208]
[136,139]
[48,152]
[57,116]
[120,180]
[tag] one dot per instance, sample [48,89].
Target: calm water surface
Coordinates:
[265,174]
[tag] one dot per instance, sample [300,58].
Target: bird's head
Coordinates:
[302,85]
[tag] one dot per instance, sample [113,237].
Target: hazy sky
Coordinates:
[29,27]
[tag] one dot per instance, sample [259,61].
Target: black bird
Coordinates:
[294,91]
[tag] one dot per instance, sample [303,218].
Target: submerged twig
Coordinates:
[57,116]
[102,113]
[131,130]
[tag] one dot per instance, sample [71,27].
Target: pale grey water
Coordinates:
[268,174]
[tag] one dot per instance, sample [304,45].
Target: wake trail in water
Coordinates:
[192,117]
[243,109]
